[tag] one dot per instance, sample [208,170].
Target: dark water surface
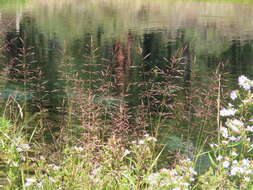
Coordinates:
[43,41]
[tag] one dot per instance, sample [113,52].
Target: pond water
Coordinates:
[125,38]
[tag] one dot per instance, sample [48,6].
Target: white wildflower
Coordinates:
[146,135]
[213,145]
[224,132]
[192,171]
[141,142]
[126,152]
[52,179]
[192,179]
[234,154]
[247,179]
[234,170]
[78,148]
[233,95]
[226,164]
[54,167]
[29,181]
[219,158]
[224,142]
[235,162]
[244,82]
[235,125]
[249,128]
[227,112]
[153,179]
[245,162]
[23,148]
[234,139]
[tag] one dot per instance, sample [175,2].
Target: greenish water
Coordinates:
[43,41]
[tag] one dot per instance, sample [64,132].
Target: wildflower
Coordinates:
[153,179]
[244,82]
[23,148]
[224,142]
[213,145]
[234,170]
[227,112]
[78,148]
[192,179]
[235,125]
[146,135]
[219,157]
[52,179]
[234,154]
[126,152]
[54,167]
[245,162]
[247,179]
[233,138]
[141,142]
[192,171]
[249,128]
[29,181]
[226,164]
[233,95]
[224,132]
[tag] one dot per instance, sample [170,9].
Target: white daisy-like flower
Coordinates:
[235,125]
[234,170]
[226,164]
[54,167]
[247,179]
[249,128]
[244,82]
[224,132]
[245,162]
[234,154]
[219,157]
[78,148]
[29,181]
[227,112]
[233,95]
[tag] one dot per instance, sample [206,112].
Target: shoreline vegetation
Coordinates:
[177,136]
[91,162]
[129,112]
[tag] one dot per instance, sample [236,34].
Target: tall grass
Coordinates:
[101,142]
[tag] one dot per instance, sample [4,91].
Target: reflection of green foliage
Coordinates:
[11,5]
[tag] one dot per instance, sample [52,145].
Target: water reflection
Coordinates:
[31,59]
